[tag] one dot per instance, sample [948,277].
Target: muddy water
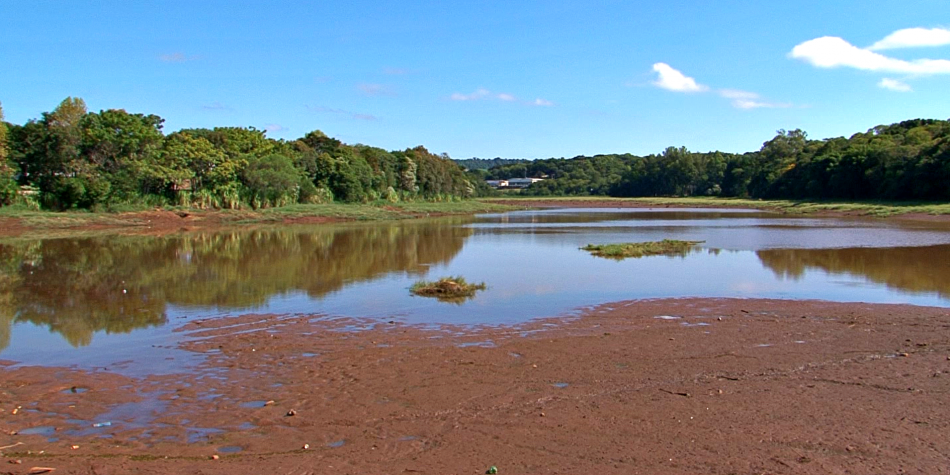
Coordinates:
[115,301]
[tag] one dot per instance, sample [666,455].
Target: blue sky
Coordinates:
[522,79]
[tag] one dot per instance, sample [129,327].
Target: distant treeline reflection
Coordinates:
[116,284]
[913,269]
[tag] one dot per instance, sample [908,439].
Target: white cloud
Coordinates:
[913,37]
[484,94]
[894,85]
[754,104]
[274,128]
[673,80]
[737,94]
[833,52]
[479,93]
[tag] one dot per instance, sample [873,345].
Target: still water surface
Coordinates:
[114,300]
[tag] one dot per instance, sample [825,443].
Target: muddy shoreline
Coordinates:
[677,386]
[632,204]
[161,222]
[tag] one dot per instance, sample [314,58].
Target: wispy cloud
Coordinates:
[484,94]
[834,52]
[737,94]
[894,85]
[673,80]
[274,128]
[749,100]
[395,71]
[175,58]
[375,89]
[216,106]
[479,93]
[913,38]
[341,112]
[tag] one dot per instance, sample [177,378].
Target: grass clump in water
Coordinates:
[447,289]
[666,247]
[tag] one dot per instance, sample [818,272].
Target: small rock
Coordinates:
[542,414]
[904,354]
[215,457]
[291,413]
[74,447]
[306,446]
[269,403]
[15,462]
[39,470]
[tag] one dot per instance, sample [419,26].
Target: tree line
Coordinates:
[909,160]
[73,158]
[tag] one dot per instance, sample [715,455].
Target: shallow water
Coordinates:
[113,301]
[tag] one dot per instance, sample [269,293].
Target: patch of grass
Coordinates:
[447,289]
[666,247]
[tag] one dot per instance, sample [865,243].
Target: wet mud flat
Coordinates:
[676,386]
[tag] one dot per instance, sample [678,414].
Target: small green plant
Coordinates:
[447,289]
[666,247]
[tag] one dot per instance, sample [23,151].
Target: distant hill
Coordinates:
[486,163]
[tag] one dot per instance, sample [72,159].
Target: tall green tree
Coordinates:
[8,186]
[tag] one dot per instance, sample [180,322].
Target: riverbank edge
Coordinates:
[879,209]
[19,222]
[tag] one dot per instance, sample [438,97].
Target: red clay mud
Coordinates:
[681,386]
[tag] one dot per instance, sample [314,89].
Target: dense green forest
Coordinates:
[72,158]
[905,161]
[486,163]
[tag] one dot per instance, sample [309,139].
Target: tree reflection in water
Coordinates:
[116,284]
[912,269]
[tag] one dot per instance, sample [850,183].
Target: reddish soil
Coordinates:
[157,222]
[682,386]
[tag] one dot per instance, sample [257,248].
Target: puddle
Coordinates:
[561,385]
[230,449]
[201,434]
[336,444]
[253,404]
[246,426]
[74,390]
[408,438]
[39,430]
[479,344]
[667,317]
